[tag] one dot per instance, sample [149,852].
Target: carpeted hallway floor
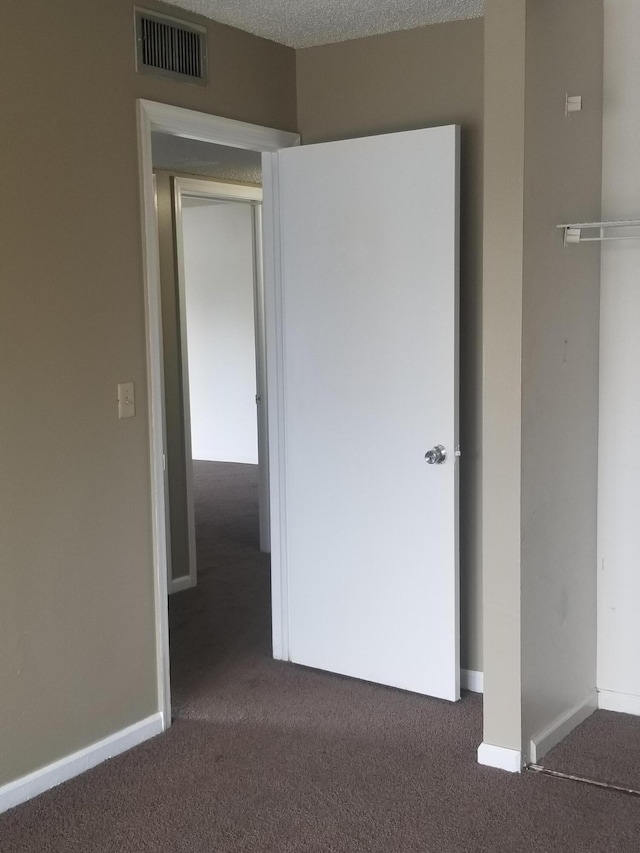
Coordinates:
[271,758]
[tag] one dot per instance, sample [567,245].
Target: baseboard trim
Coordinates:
[472,680]
[500,757]
[27,787]
[624,703]
[559,728]
[180,584]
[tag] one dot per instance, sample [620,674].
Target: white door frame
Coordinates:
[198,188]
[177,121]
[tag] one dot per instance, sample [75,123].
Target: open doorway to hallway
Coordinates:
[209,199]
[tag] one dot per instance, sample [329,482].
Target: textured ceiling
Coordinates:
[303,23]
[175,154]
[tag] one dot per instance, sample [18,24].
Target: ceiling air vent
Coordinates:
[170,48]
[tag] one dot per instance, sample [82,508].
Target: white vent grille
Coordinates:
[167,47]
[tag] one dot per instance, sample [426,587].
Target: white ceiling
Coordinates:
[304,23]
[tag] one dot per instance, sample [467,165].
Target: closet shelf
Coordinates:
[604,231]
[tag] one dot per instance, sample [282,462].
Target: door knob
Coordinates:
[436,455]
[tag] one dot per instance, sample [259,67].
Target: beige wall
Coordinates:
[560,347]
[419,78]
[76,585]
[541,307]
[502,330]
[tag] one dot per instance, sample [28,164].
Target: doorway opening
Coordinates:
[225,150]
[214,348]
[217,435]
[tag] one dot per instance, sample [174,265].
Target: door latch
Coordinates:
[436,455]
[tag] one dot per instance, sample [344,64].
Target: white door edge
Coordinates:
[274,344]
[264,511]
[153,116]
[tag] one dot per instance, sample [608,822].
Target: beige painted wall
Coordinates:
[76,586]
[541,311]
[419,78]
[502,331]
[560,364]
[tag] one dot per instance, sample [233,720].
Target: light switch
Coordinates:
[573,104]
[126,400]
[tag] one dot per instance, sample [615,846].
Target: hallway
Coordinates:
[220,631]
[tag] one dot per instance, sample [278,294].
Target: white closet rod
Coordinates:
[573,233]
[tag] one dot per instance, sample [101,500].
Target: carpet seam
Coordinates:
[557,774]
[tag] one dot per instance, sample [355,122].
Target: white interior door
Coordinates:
[366,565]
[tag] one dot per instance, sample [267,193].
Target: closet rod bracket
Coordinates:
[600,232]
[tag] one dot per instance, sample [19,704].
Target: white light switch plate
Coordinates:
[126,400]
[573,104]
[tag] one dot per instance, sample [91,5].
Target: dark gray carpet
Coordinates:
[271,758]
[606,747]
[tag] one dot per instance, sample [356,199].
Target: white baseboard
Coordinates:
[624,703]
[559,728]
[42,780]
[471,680]
[500,757]
[180,584]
